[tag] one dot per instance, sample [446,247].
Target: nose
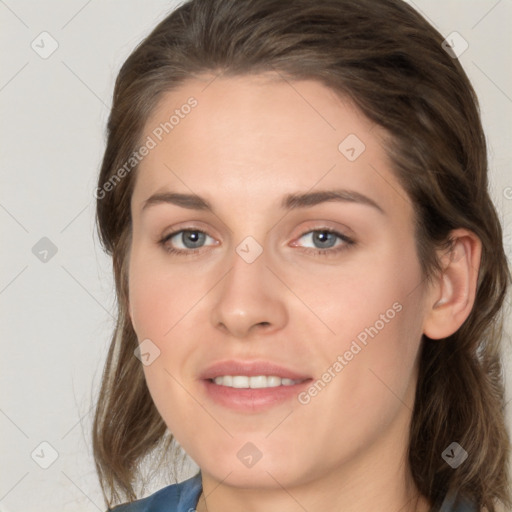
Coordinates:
[249,299]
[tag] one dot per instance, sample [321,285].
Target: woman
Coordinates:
[309,268]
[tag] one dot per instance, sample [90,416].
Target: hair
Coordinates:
[388,60]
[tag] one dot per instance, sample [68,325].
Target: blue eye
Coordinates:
[192,240]
[324,241]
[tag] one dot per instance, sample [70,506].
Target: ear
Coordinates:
[452,293]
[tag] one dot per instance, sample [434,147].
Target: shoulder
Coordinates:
[181,497]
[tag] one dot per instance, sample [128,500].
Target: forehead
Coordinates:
[265,107]
[259,135]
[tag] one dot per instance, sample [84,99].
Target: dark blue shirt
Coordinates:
[183,497]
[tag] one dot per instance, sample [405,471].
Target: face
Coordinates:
[291,274]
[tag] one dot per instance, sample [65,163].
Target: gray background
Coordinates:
[57,314]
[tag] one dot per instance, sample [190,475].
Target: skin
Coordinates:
[250,141]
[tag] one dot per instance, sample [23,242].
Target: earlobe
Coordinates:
[452,295]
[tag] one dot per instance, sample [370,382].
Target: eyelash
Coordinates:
[348,242]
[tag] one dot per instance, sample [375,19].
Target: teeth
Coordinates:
[240,382]
[257,382]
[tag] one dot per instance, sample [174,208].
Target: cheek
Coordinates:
[153,307]
[160,301]
[376,314]
[163,303]
[354,297]
[389,331]
[160,297]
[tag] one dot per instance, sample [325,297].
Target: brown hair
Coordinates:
[386,58]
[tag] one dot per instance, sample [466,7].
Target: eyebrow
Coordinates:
[289,202]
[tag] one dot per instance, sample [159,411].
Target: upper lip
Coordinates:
[251,369]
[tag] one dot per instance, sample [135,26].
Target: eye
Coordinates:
[325,241]
[184,241]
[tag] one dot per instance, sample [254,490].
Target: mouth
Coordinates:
[251,387]
[254,382]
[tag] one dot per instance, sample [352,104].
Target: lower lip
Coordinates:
[252,400]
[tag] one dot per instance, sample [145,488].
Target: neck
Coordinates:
[312,500]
